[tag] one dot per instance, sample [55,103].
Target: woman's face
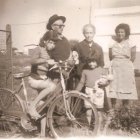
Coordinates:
[89,34]
[58,26]
[121,34]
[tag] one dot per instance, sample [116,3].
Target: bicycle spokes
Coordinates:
[66,122]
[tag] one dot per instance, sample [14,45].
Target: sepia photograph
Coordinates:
[69,69]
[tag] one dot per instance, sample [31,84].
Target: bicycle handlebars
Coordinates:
[61,64]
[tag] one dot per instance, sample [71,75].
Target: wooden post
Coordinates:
[9,77]
[90,11]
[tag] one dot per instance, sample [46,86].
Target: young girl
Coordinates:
[94,80]
[41,60]
[122,54]
[38,79]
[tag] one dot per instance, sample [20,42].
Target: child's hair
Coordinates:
[49,35]
[90,59]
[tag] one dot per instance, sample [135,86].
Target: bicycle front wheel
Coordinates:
[80,120]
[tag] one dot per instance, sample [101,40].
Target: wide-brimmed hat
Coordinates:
[52,19]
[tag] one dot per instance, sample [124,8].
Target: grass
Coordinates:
[19,64]
[124,121]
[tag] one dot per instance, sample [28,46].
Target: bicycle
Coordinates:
[65,110]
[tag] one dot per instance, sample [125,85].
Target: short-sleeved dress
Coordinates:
[88,79]
[123,85]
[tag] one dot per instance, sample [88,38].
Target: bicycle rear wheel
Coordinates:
[83,124]
[10,112]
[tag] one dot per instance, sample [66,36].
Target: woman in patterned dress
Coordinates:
[122,54]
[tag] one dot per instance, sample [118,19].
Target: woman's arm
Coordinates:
[133,53]
[110,54]
[101,59]
[40,56]
[35,57]
[82,82]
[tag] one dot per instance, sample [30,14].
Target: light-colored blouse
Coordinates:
[121,49]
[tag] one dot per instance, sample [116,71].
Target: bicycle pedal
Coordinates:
[27,125]
[36,119]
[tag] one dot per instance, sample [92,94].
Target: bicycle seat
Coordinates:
[18,75]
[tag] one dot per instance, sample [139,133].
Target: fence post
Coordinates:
[9,77]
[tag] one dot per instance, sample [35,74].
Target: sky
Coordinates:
[28,18]
[18,13]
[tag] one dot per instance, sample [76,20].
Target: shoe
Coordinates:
[33,112]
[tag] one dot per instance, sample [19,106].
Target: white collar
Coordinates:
[90,44]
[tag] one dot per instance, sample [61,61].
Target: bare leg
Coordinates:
[126,103]
[43,94]
[43,127]
[100,122]
[32,108]
[89,113]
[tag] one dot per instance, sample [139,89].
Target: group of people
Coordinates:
[88,58]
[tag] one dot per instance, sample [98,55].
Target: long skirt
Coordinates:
[123,85]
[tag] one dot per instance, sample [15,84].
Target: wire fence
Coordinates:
[5,58]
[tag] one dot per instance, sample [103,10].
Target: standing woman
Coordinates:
[122,53]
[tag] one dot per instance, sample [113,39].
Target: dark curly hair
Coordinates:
[90,59]
[125,27]
[49,35]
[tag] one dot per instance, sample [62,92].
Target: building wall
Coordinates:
[101,4]
[106,20]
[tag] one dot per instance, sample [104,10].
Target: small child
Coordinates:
[94,81]
[39,79]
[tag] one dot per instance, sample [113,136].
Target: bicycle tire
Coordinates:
[10,112]
[61,126]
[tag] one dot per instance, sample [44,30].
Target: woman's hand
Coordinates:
[51,62]
[103,81]
[75,56]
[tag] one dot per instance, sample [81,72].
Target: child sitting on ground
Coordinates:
[94,80]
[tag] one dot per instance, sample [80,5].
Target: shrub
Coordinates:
[126,119]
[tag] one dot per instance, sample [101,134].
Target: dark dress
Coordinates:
[62,46]
[84,51]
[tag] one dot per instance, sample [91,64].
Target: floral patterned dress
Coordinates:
[123,85]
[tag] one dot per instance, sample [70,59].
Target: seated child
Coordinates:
[40,62]
[93,80]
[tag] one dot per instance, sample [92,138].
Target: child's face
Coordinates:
[92,64]
[50,45]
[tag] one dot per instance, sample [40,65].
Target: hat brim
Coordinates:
[52,21]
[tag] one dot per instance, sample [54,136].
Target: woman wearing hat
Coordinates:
[60,50]
[62,47]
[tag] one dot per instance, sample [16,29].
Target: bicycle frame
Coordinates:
[47,101]
[65,97]
[66,104]
[63,90]
[26,103]
[17,91]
